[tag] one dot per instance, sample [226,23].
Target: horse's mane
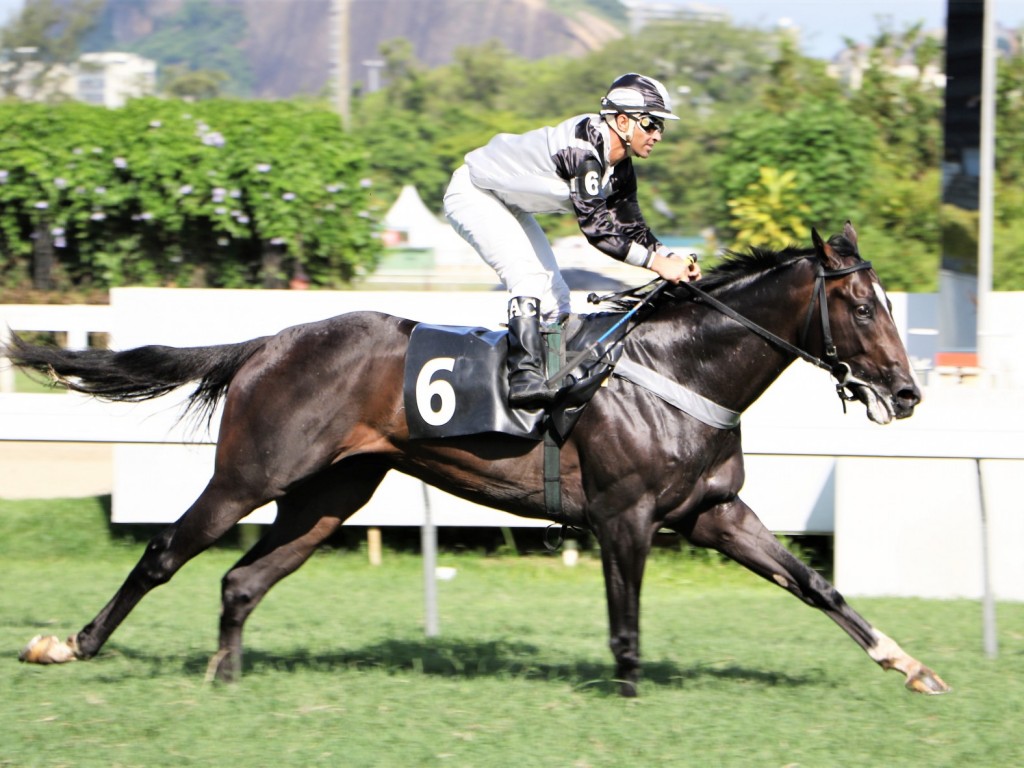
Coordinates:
[737,268]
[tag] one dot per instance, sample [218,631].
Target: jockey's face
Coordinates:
[642,142]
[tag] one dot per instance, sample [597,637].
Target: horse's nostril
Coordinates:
[909,396]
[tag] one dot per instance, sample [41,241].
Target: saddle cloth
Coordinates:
[456,380]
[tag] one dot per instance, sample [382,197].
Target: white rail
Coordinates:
[75,321]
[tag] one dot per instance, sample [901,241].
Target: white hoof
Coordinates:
[47,650]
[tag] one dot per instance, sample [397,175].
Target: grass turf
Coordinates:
[338,672]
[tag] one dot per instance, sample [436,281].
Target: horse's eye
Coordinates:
[864,311]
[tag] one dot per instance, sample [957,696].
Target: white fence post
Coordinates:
[78,338]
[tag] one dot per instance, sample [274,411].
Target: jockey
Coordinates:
[582,165]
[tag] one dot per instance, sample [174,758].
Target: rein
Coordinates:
[840,371]
[594,299]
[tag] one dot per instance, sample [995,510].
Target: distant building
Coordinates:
[850,64]
[105,79]
[109,79]
[28,80]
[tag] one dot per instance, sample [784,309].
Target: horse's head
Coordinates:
[868,358]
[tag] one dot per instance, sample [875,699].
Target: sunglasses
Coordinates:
[650,124]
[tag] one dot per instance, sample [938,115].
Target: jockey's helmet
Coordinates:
[637,94]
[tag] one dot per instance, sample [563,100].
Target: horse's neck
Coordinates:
[718,357]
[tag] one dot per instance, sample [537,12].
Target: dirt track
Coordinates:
[55,470]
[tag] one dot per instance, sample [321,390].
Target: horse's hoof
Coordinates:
[48,650]
[926,681]
[222,668]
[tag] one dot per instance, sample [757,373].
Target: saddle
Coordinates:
[456,379]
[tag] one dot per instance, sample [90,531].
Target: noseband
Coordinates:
[845,380]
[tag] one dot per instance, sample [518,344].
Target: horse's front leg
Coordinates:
[733,529]
[624,550]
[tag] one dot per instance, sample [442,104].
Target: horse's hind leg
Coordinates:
[737,532]
[216,510]
[306,516]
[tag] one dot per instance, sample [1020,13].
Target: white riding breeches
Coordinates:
[510,241]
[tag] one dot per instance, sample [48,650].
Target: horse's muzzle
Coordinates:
[905,400]
[884,406]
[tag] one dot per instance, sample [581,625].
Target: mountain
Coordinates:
[286,46]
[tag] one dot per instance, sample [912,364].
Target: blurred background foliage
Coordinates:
[222,191]
[214,193]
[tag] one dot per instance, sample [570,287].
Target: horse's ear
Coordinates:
[824,250]
[851,234]
[819,244]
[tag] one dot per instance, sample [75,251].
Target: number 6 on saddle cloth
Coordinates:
[456,380]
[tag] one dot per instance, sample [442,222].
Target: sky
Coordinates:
[7,7]
[823,23]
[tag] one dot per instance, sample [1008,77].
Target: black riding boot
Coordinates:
[527,384]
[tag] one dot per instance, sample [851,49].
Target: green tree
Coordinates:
[793,79]
[1010,121]
[203,37]
[480,74]
[406,77]
[906,110]
[770,213]
[826,146]
[903,195]
[715,62]
[192,85]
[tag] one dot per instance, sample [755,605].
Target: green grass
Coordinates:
[338,672]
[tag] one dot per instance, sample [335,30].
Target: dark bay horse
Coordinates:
[314,418]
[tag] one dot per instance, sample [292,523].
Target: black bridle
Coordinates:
[841,371]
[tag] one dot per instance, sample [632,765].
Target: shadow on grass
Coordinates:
[492,659]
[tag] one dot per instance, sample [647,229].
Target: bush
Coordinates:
[218,193]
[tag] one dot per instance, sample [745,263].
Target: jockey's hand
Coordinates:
[676,269]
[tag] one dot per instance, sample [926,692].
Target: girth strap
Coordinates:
[552,476]
[552,451]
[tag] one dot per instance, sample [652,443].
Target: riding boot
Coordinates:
[527,383]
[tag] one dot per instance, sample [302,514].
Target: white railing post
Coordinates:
[77,338]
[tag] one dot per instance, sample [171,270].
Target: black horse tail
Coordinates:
[139,374]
